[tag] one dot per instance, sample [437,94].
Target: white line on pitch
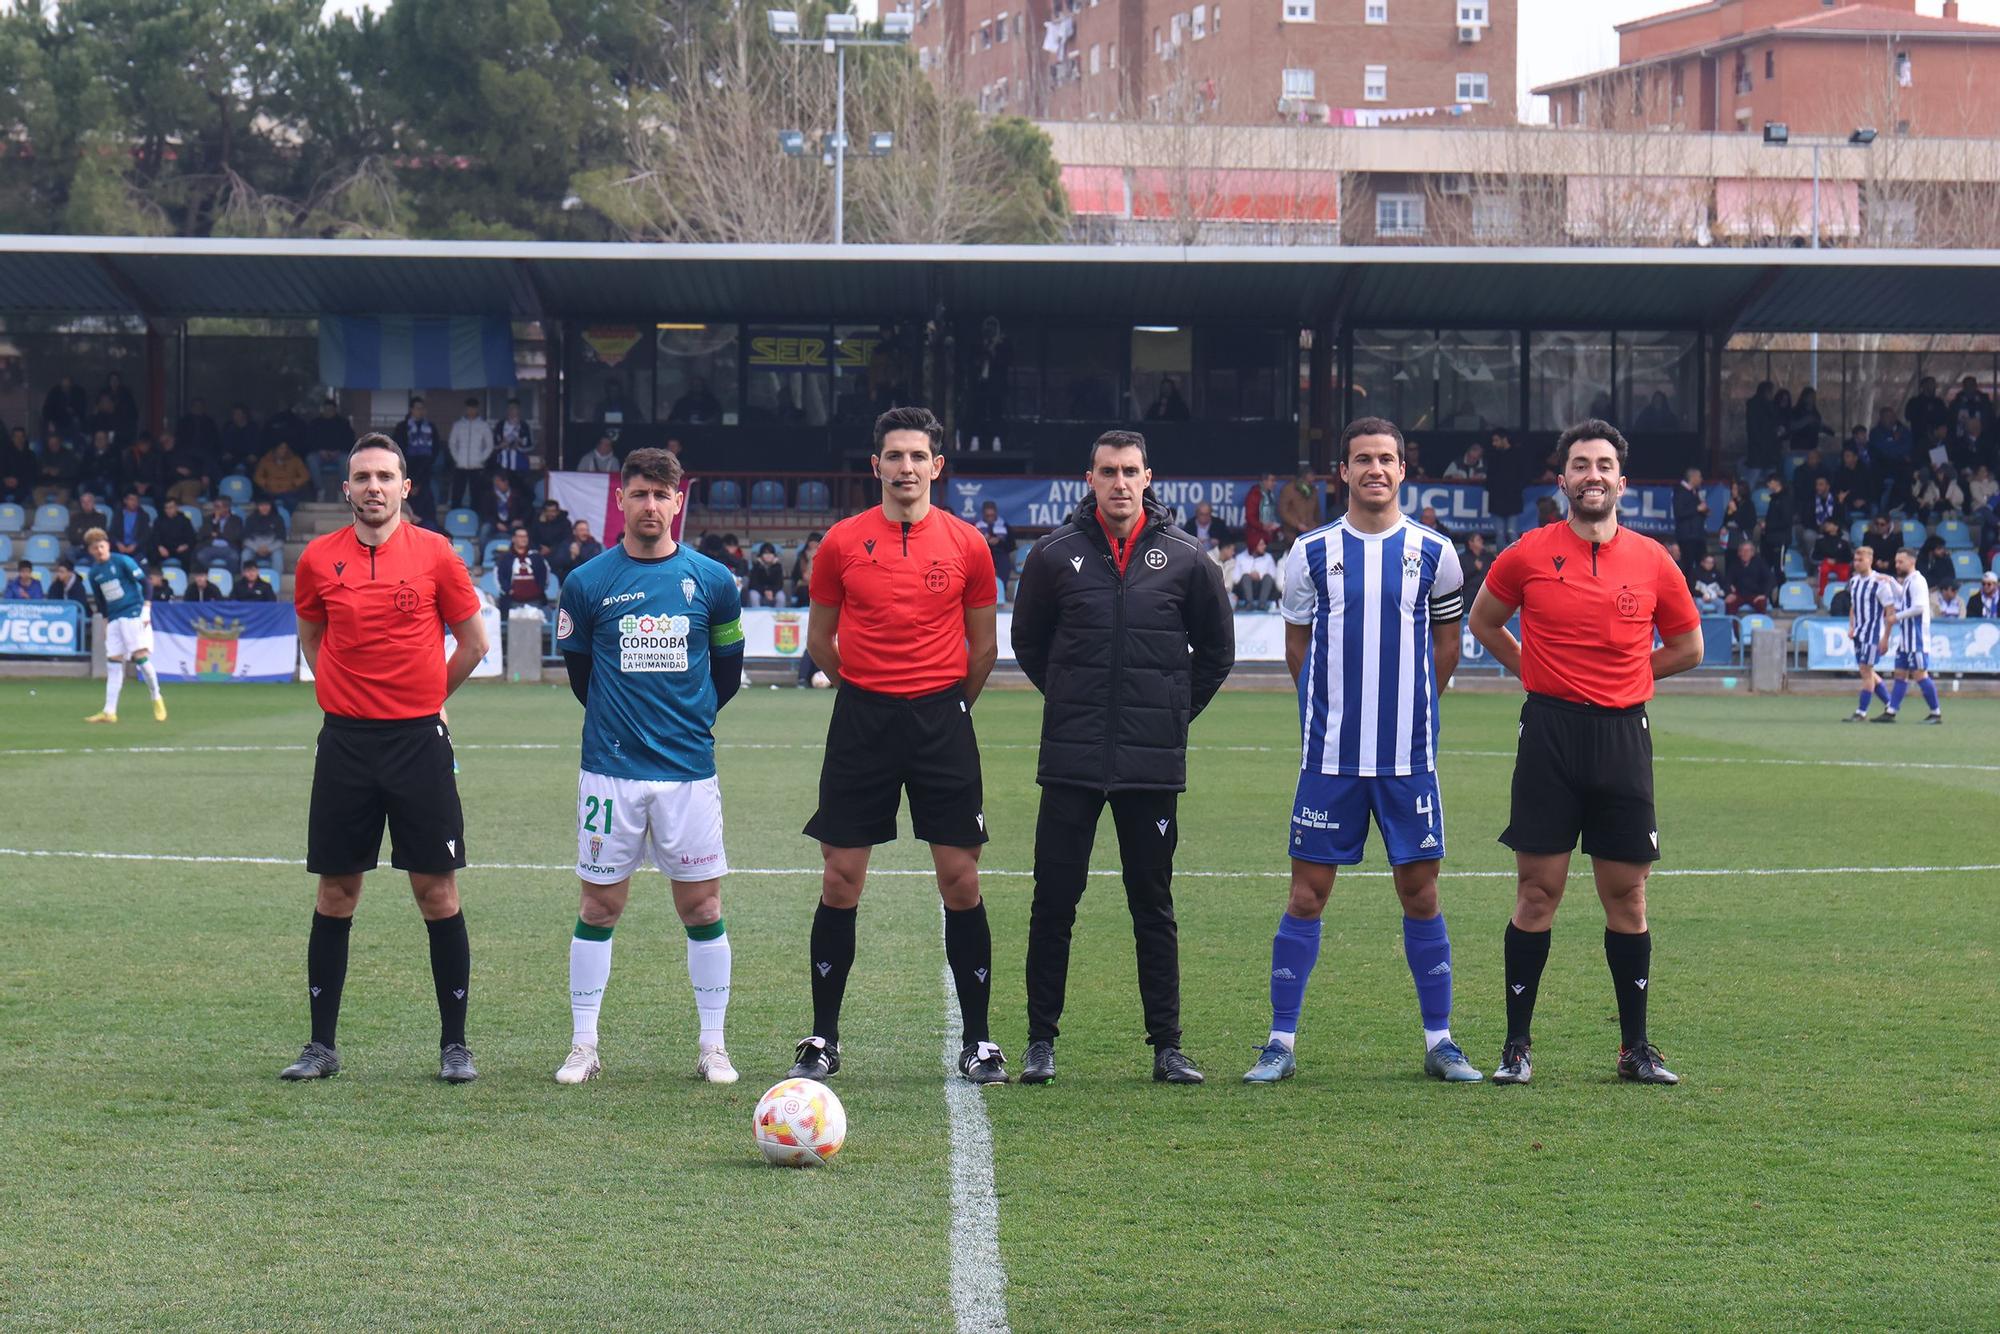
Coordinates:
[978,1278]
[1252,874]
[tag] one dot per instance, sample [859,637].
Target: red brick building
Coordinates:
[1820,67]
[1242,62]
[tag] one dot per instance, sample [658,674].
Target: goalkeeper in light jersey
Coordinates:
[119,587]
[653,635]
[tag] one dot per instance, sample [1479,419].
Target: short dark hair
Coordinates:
[471,401]
[373,440]
[655,465]
[1119,440]
[416,399]
[1592,428]
[1361,426]
[909,419]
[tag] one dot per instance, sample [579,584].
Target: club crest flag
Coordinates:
[224,641]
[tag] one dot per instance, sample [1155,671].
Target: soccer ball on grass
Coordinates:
[799,1123]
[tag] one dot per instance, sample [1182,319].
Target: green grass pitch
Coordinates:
[1828,1162]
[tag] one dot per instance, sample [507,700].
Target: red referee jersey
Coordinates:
[385,610]
[903,590]
[1588,610]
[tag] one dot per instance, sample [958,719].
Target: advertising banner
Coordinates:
[43,629]
[1956,647]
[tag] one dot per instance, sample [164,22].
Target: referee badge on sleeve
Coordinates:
[565,627]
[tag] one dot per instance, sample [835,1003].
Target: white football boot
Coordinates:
[581,1067]
[714,1066]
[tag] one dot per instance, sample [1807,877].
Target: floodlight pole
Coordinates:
[1812,370]
[837,44]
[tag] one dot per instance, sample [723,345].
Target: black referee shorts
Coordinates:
[367,771]
[1584,770]
[878,746]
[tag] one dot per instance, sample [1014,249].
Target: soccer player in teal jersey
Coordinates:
[119,587]
[652,631]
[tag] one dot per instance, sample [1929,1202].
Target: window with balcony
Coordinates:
[1399,216]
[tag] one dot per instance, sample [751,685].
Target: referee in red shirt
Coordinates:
[1590,596]
[903,618]
[373,602]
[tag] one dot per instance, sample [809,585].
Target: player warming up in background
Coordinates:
[1910,617]
[373,601]
[120,587]
[653,634]
[1372,605]
[1870,594]
[1590,595]
[903,618]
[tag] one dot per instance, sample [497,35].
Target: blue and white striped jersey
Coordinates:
[1868,595]
[1913,614]
[1368,690]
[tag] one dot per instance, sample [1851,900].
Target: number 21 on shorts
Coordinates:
[597,815]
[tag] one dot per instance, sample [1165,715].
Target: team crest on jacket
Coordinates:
[687,591]
[1156,559]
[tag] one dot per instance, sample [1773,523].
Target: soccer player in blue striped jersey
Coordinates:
[1372,605]
[1869,595]
[652,631]
[1910,622]
[120,589]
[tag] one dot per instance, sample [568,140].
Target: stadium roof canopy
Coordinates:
[1731,290]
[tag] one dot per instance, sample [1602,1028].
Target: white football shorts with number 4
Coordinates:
[621,822]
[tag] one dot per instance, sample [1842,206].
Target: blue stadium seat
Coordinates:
[51,518]
[236,489]
[13,519]
[1749,623]
[461,522]
[6,547]
[42,548]
[767,495]
[1760,500]
[1718,641]
[1857,532]
[1795,564]
[177,580]
[1995,567]
[466,551]
[490,581]
[220,576]
[1954,532]
[1965,564]
[1913,533]
[814,498]
[1796,595]
[152,510]
[494,546]
[1832,586]
[722,495]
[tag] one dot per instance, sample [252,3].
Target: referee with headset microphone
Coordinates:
[1124,626]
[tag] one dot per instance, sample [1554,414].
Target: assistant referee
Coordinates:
[373,602]
[1590,595]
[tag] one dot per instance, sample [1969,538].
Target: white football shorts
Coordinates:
[620,820]
[129,634]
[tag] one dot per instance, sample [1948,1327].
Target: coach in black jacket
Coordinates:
[1124,626]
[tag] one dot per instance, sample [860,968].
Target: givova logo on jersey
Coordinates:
[653,643]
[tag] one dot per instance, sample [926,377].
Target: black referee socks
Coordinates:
[968,948]
[326,973]
[451,970]
[1631,960]
[1526,953]
[832,957]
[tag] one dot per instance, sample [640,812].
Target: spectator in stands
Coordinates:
[59,470]
[82,519]
[1885,539]
[1260,508]
[184,475]
[802,570]
[499,505]
[263,529]
[1810,470]
[1946,604]
[1224,556]
[1207,530]
[1658,415]
[1983,605]
[64,586]
[1774,530]
[1748,582]
[1889,442]
[286,425]
[1973,445]
[1705,583]
[240,442]
[124,409]
[1971,402]
[197,430]
[172,538]
[766,581]
[102,468]
[1939,494]
[1547,511]
[1674,555]
[18,468]
[1469,466]
[24,587]
[1833,555]
[733,556]
[471,448]
[1739,516]
[1925,409]
[1825,505]
[1256,576]
[697,405]
[1507,470]
[549,530]
[420,506]
[130,527]
[418,435]
[604,458]
[1807,427]
[283,475]
[157,587]
[1413,452]
[252,586]
[1298,506]
[514,447]
[1428,517]
[140,469]
[579,547]
[1853,485]
[328,439]
[1980,489]
[1168,405]
[1474,562]
[220,541]
[675,447]
[1933,561]
[1760,428]
[999,542]
[523,575]
[63,410]
[199,588]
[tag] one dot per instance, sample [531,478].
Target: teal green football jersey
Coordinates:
[120,586]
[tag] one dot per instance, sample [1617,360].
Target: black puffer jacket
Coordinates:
[1123,663]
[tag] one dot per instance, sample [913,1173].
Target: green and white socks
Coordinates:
[114,682]
[590,972]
